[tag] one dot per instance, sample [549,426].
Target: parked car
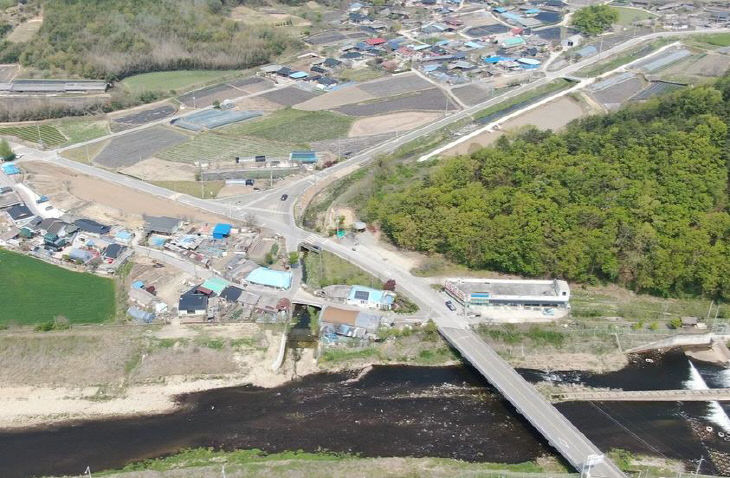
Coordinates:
[450,305]
[284,197]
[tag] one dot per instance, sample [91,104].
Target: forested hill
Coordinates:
[115,38]
[639,197]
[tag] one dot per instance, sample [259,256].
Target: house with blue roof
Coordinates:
[371,298]
[221,231]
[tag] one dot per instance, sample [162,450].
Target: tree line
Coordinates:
[111,40]
[638,197]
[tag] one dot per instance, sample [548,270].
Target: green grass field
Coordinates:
[717,39]
[179,81]
[36,292]
[294,126]
[626,16]
[325,269]
[80,130]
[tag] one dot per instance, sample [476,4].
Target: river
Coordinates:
[390,411]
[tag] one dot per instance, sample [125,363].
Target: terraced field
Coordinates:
[214,146]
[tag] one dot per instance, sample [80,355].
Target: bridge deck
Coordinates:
[561,434]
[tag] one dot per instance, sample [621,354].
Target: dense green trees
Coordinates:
[594,19]
[638,197]
[103,39]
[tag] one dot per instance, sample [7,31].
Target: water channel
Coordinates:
[393,411]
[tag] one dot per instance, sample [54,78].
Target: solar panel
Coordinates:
[362,295]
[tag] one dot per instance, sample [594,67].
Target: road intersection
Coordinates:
[270,211]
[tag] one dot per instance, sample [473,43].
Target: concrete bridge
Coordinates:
[561,434]
[715,394]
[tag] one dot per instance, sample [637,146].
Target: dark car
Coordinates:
[284,197]
[450,305]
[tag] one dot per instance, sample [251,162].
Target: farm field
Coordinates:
[403,121]
[146,116]
[58,133]
[533,95]
[294,126]
[553,115]
[85,154]
[44,133]
[697,68]
[164,81]
[214,146]
[131,148]
[396,85]
[473,94]
[289,96]
[43,291]
[615,90]
[431,99]
[334,36]
[154,169]
[360,74]
[627,16]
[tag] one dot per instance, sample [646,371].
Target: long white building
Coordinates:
[477,293]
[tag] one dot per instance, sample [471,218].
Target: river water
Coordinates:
[391,411]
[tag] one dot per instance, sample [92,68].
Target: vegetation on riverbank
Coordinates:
[258,463]
[638,197]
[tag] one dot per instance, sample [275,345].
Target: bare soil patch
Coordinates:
[258,103]
[403,121]
[101,200]
[25,31]
[712,65]
[553,115]
[154,169]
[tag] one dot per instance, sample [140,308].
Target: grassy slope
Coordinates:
[37,292]
[164,81]
[257,463]
[295,126]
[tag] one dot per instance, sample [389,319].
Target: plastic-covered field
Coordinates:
[664,60]
[210,119]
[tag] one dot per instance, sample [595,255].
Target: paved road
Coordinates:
[561,434]
[275,214]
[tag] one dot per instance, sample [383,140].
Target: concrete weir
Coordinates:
[562,435]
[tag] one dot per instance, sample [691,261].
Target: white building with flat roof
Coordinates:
[484,295]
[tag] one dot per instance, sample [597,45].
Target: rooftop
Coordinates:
[511,288]
[269,277]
